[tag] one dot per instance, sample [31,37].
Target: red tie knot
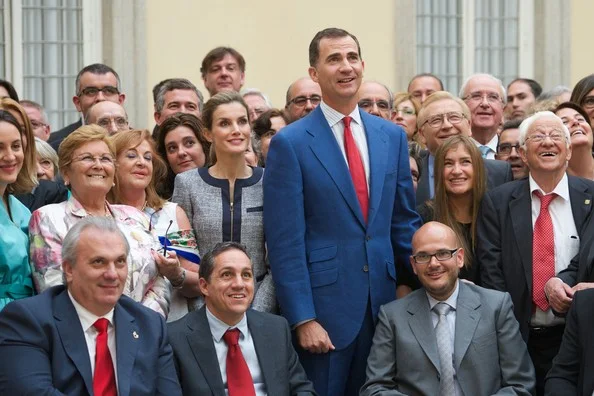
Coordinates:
[101,325]
[545,200]
[347,121]
[231,337]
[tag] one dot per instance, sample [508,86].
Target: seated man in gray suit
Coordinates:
[450,338]
[225,346]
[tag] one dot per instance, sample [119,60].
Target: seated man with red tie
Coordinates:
[86,338]
[227,348]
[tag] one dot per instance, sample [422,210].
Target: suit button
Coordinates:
[365,268]
[367,238]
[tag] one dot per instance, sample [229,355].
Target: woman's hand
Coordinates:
[169,265]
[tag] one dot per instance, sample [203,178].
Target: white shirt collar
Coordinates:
[561,189]
[334,117]
[451,300]
[87,318]
[218,327]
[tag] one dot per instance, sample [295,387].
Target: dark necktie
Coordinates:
[356,167]
[543,251]
[104,382]
[239,379]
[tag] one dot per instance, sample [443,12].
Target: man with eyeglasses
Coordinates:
[484,95]
[94,83]
[529,235]
[442,116]
[303,96]
[38,118]
[375,98]
[108,115]
[450,337]
[508,148]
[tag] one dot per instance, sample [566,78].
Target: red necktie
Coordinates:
[543,251]
[104,382]
[356,167]
[239,379]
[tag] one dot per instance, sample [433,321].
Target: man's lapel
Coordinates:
[201,343]
[325,148]
[422,327]
[581,202]
[267,358]
[73,337]
[520,208]
[377,143]
[128,340]
[423,189]
[467,318]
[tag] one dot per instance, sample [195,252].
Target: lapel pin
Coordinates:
[587,202]
[134,334]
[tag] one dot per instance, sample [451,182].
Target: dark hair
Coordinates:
[314,46]
[96,68]
[533,84]
[263,124]
[511,124]
[12,93]
[571,105]
[169,85]
[426,75]
[207,263]
[582,89]
[217,100]
[190,121]
[414,152]
[219,53]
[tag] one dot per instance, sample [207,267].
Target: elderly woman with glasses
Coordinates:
[87,164]
[139,170]
[405,113]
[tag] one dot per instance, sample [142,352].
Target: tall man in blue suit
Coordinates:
[86,338]
[339,218]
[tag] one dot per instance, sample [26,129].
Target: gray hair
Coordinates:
[35,105]
[253,91]
[554,93]
[527,123]
[101,224]
[176,83]
[45,151]
[462,92]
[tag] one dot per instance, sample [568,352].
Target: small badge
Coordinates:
[134,334]
[587,202]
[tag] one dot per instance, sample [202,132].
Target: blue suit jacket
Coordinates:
[44,338]
[325,260]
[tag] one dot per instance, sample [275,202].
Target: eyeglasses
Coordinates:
[37,124]
[436,121]
[406,111]
[301,101]
[269,133]
[479,97]
[588,102]
[120,122]
[88,159]
[506,148]
[539,138]
[92,92]
[440,255]
[367,104]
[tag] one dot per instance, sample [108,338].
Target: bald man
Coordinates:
[303,96]
[375,98]
[109,115]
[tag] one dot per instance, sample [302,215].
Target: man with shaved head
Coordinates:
[424,84]
[375,98]
[303,96]
[108,115]
[450,337]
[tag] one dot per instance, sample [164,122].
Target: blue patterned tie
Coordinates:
[484,151]
[444,349]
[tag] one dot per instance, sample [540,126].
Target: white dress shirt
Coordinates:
[87,320]
[451,319]
[567,242]
[334,119]
[491,144]
[246,343]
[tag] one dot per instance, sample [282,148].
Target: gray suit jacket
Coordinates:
[196,361]
[490,356]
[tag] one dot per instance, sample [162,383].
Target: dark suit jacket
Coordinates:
[504,231]
[581,268]
[498,172]
[47,192]
[44,339]
[56,137]
[573,366]
[197,364]
[326,261]
[490,357]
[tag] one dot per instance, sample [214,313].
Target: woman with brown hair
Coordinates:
[460,183]
[139,170]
